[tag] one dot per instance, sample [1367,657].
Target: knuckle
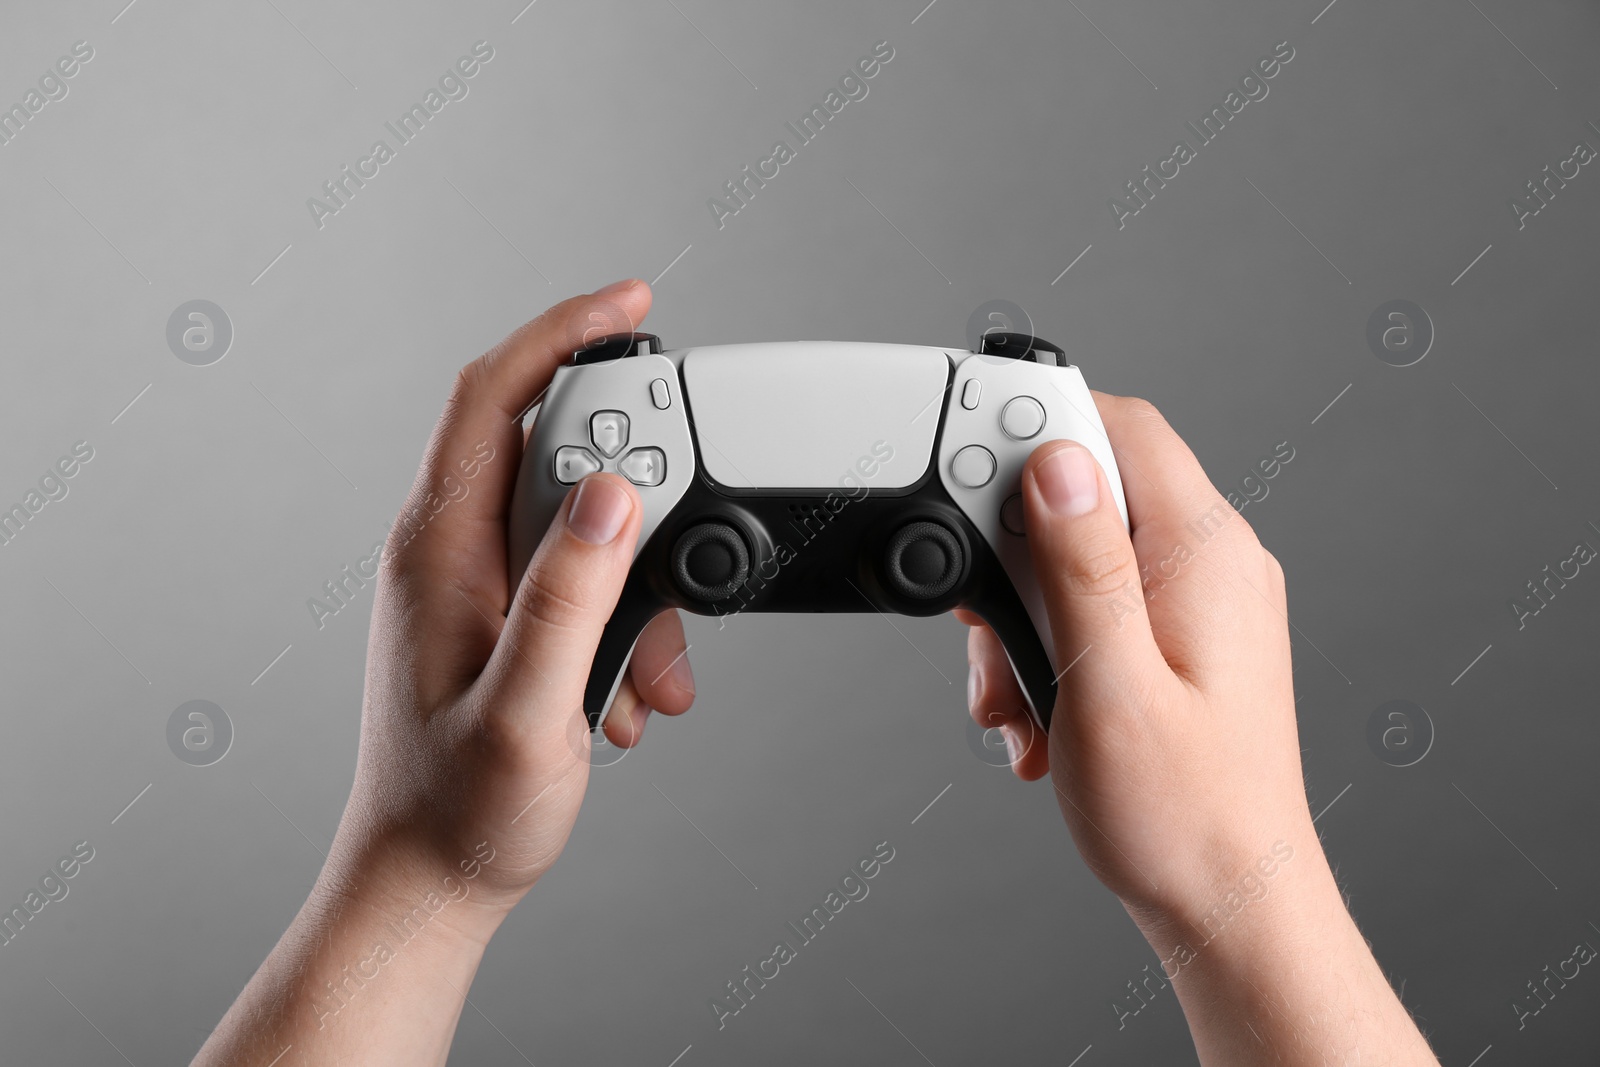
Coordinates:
[495,739]
[1275,572]
[469,381]
[1240,539]
[416,514]
[502,744]
[1221,525]
[1140,408]
[547,601]
[396,563]
[1098,570]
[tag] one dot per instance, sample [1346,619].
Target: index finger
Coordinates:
[449,544]
[1189,541]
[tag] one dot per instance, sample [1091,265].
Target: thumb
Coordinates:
[541,661]
[1086,568]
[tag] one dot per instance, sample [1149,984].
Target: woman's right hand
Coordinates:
[1174,750]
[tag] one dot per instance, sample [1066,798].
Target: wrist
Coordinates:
[1274,971]
[374,967]
[412,891]
[1242,903]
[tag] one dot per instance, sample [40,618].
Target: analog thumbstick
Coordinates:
[923,561]
[710,561]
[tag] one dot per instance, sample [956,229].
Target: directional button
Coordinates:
[574,463]
[609,432]
[644,466]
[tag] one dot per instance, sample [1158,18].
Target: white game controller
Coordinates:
[814,477]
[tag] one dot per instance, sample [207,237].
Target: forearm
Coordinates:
[374,969]
[1286,979]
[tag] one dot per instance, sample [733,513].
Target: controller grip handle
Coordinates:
[1025,647]
[637,605]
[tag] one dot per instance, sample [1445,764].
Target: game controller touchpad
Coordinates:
[776,415]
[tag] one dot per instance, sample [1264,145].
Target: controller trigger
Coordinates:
[1010,345]
[617,346]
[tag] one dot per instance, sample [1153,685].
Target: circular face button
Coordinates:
[923,561]
[710,561]
[973,466]
[1022,418]
[1011,515]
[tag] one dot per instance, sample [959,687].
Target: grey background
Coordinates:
[180,563]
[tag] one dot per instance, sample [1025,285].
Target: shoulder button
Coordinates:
[618,346]
[1023,346]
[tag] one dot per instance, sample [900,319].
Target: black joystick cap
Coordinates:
[1023,346]
[617,346]
[923,561]
[710,561]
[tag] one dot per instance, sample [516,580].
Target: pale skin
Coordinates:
[1173,749]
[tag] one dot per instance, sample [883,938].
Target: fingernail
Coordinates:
[682,676]
[599,510]
[1069,481]
[616,287]
[1013,746]
[974,685]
